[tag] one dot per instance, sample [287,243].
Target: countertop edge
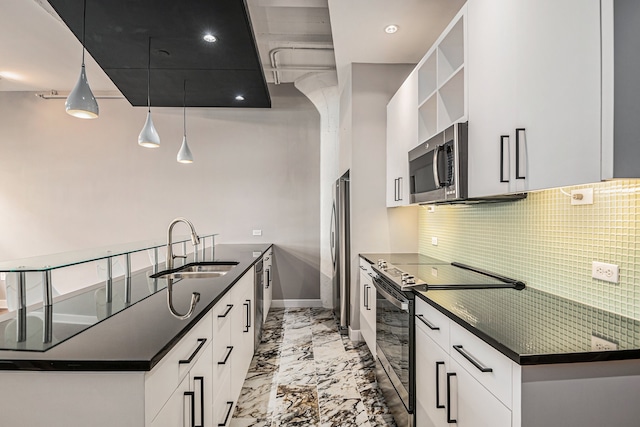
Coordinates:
[534,359]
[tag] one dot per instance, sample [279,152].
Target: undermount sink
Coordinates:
[200,270]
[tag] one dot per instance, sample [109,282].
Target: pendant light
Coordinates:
[149,137]
[184,155]
[81,103]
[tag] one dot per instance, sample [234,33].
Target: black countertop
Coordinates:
[136,338]
[532,327]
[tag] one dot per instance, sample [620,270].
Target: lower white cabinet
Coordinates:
[242,330]
[458,378]
[268,282]
[367,306]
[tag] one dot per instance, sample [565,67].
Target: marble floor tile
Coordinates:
[296,406]
[304,373]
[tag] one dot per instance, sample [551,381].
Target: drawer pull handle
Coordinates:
[363,268]
[438,405]
[201,341]
[426,322]
[226,312]
[228,414]
[471,359]
[449,419]
[192,397]
[518,132]
[201,379]
[226,358]
[504,177]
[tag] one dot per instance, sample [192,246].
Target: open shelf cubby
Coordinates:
[427,78]
[428,118]
[451,52]
[451,100]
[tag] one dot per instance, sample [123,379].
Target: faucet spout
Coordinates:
[195,239]
[195,297]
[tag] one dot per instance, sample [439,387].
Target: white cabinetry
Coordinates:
[242,330]
[268,282]
[459,379]
[430,100]
[534,94]
[367,306]
[402,136]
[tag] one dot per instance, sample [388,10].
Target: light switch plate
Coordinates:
[434,241]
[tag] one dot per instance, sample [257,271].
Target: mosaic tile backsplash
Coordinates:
[548,243]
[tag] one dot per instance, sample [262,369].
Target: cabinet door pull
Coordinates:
[226,358]
[438,405]
[248,314]
[229,307]
[228,414]
[368,298]
[268,278]
[426,322]
[363,268]
[192,407]
[246,325]
[201,380]
[518,132]
[400,189]
[201,341]
[449,419]
[503,139]
[471,359]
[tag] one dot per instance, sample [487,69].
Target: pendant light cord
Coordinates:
[184,109]
[149,78]
[84,19]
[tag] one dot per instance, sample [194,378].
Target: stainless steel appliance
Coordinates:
[395,328]
[259,302]
[340,252]
[438,167]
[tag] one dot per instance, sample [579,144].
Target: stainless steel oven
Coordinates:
[395,350]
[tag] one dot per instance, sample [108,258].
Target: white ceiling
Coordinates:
[39,53]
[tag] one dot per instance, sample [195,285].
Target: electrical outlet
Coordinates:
[257,232]
[434,241]
[604,271]
[601,344]
[582,196]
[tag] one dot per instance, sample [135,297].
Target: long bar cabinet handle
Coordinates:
[503,139]
[438,405]
[226,419]
[201,380]
[186,361]
[426,322]
[518,131]
[471,359]
[449,419]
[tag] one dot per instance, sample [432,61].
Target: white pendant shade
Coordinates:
[81,103]
[149,137]
[184,155]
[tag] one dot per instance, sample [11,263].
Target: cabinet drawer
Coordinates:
[473,354]
[223,404]
[433,323]
[163,379]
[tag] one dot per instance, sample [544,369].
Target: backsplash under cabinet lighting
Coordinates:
[548,243]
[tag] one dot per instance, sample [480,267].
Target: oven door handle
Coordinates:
[402,305]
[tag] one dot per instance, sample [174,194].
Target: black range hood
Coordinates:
[117,37]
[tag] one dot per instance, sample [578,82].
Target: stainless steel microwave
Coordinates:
[438,167]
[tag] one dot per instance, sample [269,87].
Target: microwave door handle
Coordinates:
[436,173]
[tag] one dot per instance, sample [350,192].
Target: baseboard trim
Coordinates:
[355,335]
[292,303]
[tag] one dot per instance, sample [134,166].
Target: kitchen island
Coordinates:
[143,366]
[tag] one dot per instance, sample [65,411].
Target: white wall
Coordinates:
[363,127]
[69,184]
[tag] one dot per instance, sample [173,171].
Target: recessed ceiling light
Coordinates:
[10,75]
[209,38]
[390,29]
[239,98]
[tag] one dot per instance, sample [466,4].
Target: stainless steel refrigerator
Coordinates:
[340,252]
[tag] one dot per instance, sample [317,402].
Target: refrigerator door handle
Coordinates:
[332,237]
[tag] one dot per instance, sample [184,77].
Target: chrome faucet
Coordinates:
[194,239]
[195,296]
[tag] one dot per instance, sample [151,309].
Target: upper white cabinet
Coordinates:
[534,94]
[402,135]
[430,100]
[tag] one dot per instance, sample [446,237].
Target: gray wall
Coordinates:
[363,140]
[70,184]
